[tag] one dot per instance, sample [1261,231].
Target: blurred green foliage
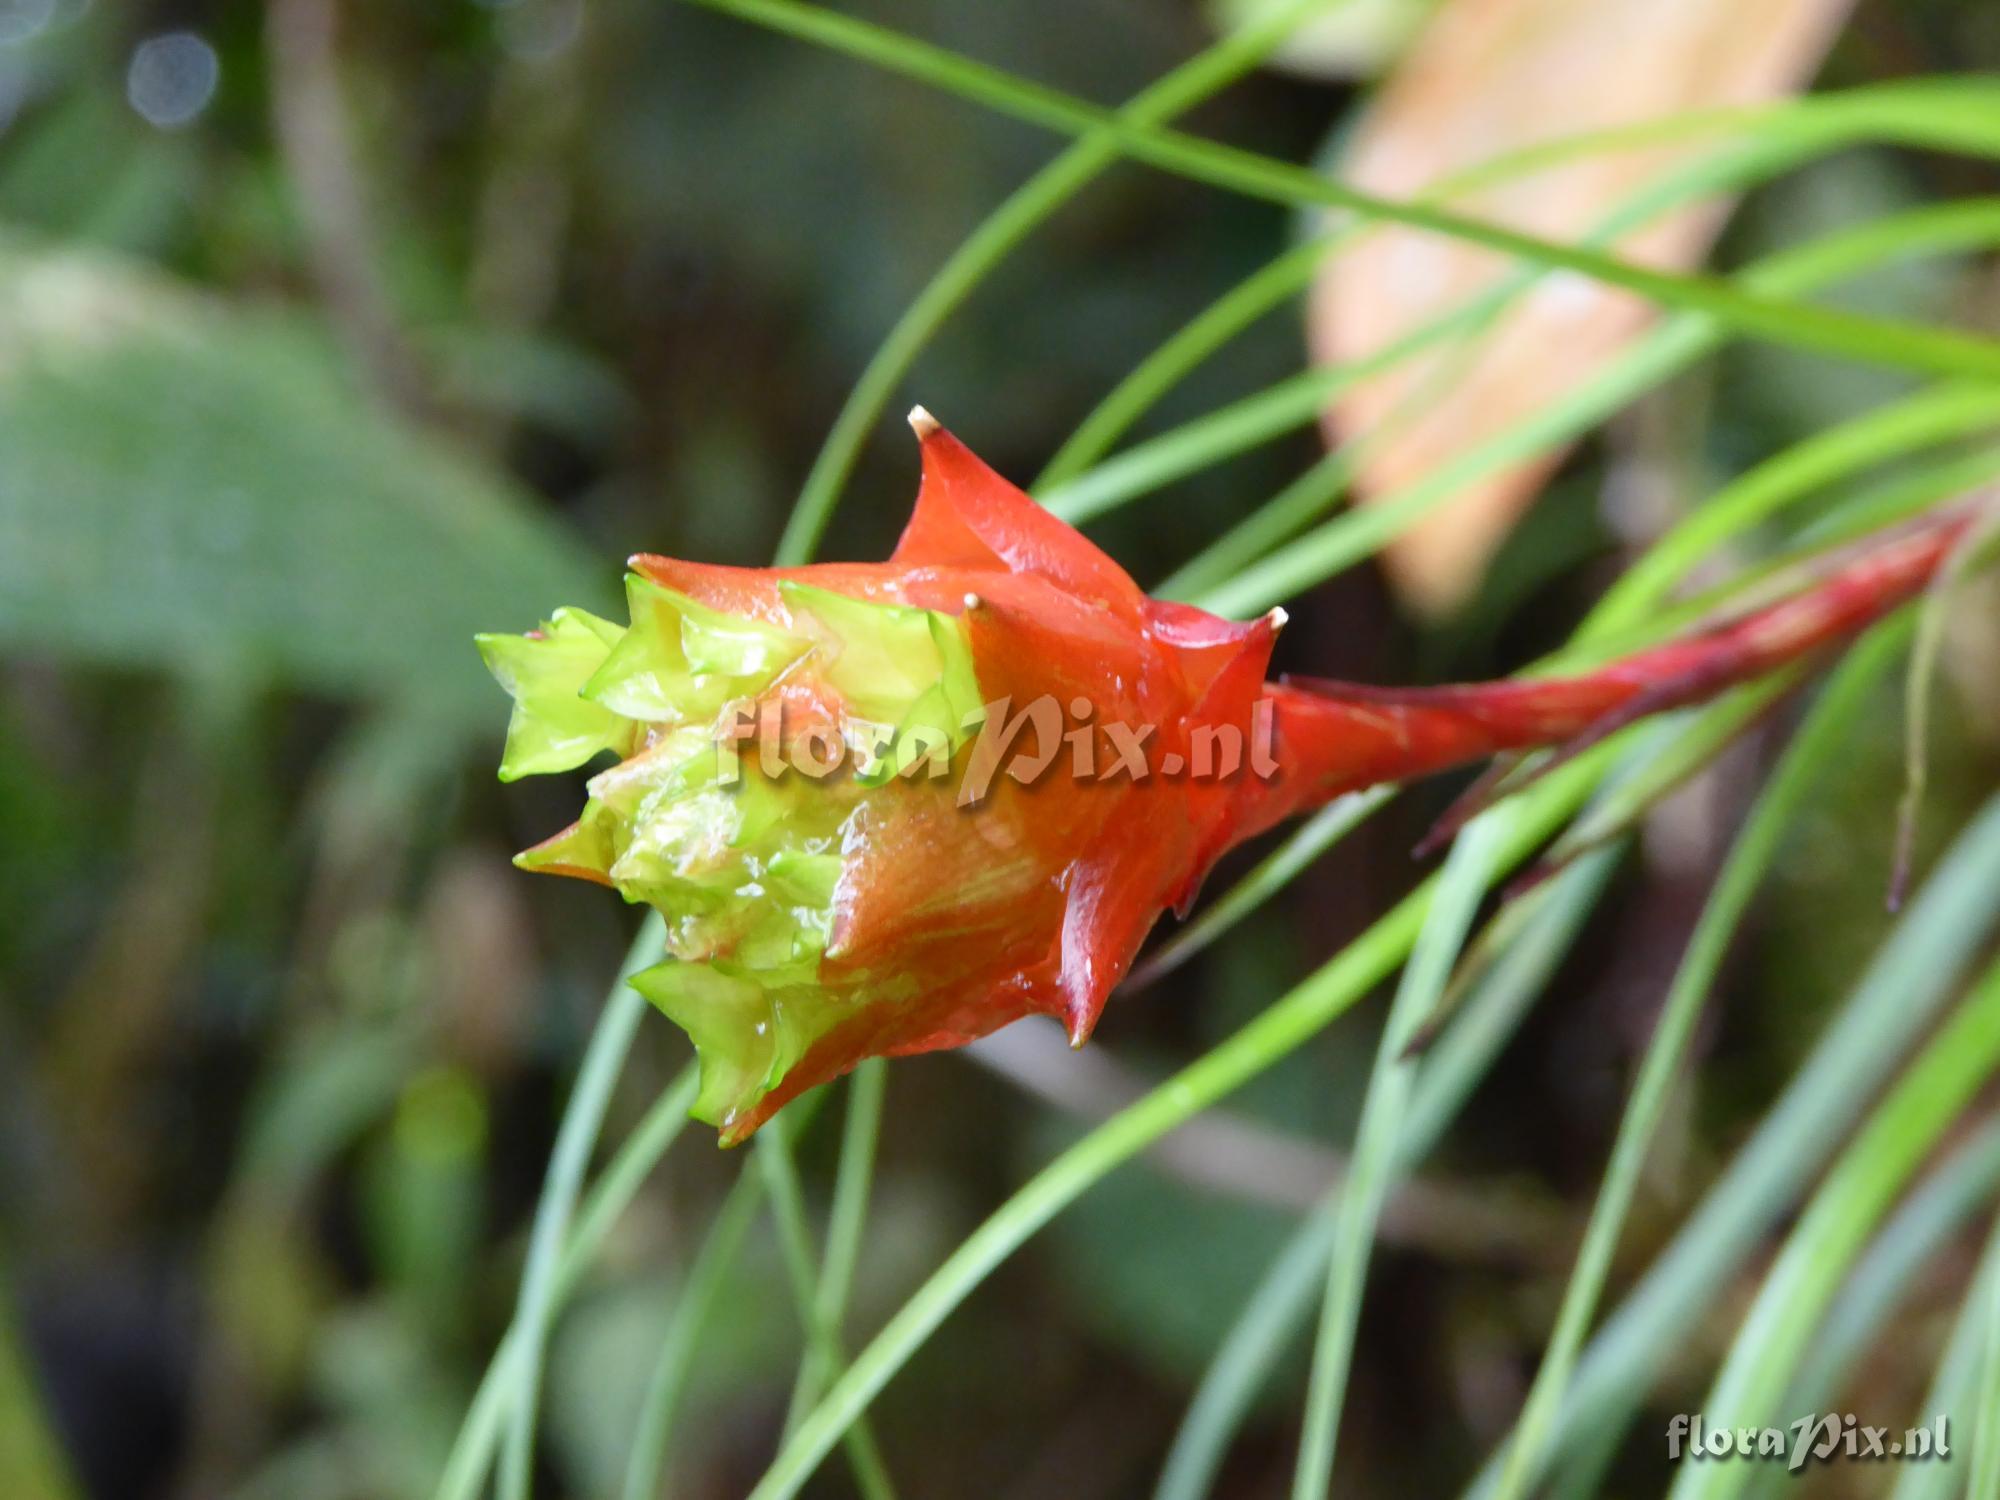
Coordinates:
[416,329]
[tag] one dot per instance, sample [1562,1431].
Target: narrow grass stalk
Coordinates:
[988,245]
[1896,999]
[1530,937]
[1340,544]
[1825,330]
[1218,435]
[645,1464]
[1819,741]
[1461,886]
[720,1253]
[1951,1387]
[1780,136]
[1298,399]
[845,1224]
[1708,733]
[576,1139]
[1273,873]
[1278,1031]
[1901,1131]
[1277,1308]
[1985,1483]
[1963,1184]
[472,1451]
[612,1194]
[822,1346]
[1908,492]
[1264,291]
[1888,432]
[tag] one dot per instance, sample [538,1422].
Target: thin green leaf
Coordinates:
[1869,340]
[1819,742]
[987,246]
[1782,136]
[1461,886]
[1273,873]
[1962,1185]
[721,1248]
[1900,1132]
[846,1224]
[1916,971]
[1277,1309]
[1282,1027]
[1949,410]
[576,1139]
[1952,1387]
[823,1357]
[1985,1483]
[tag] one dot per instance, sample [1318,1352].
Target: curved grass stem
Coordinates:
[1824,735]
[988,245]
[1755,314]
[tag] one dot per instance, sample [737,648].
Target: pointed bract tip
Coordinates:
[1278,618]
[973,601]
[923,424]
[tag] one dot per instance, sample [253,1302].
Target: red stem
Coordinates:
[1337,737]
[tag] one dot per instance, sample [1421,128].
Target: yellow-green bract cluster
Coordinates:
[742,867]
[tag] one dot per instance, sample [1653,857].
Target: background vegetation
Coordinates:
[330,335]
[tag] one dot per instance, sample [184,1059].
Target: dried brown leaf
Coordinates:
[1486,78]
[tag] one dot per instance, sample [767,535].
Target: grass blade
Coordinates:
[1953,1383]
[1272,874]
[1900,1132]
[1963,1184]
[1915,972]
[1460,887]
[1948,410]
[1819,741]
[1280,1029]
[645,1465]
[822,1345]
[1278,1307]
[845,1224]
[576,1139]
[1985,1484]
[987,246]
[1824,330]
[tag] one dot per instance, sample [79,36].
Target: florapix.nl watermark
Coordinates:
[1039,738]
[1825,1437]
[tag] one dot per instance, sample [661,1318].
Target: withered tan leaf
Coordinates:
[1486,78]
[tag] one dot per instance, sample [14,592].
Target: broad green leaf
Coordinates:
[189,487]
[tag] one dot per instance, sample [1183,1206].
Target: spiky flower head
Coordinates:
[815,916]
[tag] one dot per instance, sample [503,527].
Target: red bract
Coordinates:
[935,888]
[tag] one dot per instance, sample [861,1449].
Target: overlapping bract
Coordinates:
[815,921]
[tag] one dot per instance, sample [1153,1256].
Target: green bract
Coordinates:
[681,662]
[743,866]
[905,674]
[554,728]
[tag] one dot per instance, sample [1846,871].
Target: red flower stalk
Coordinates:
[931,889]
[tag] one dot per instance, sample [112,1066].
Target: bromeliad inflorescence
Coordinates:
[812,783]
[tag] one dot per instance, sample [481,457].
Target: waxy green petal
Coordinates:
[905,669]
[553,728]
[682,662]
[744,868]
